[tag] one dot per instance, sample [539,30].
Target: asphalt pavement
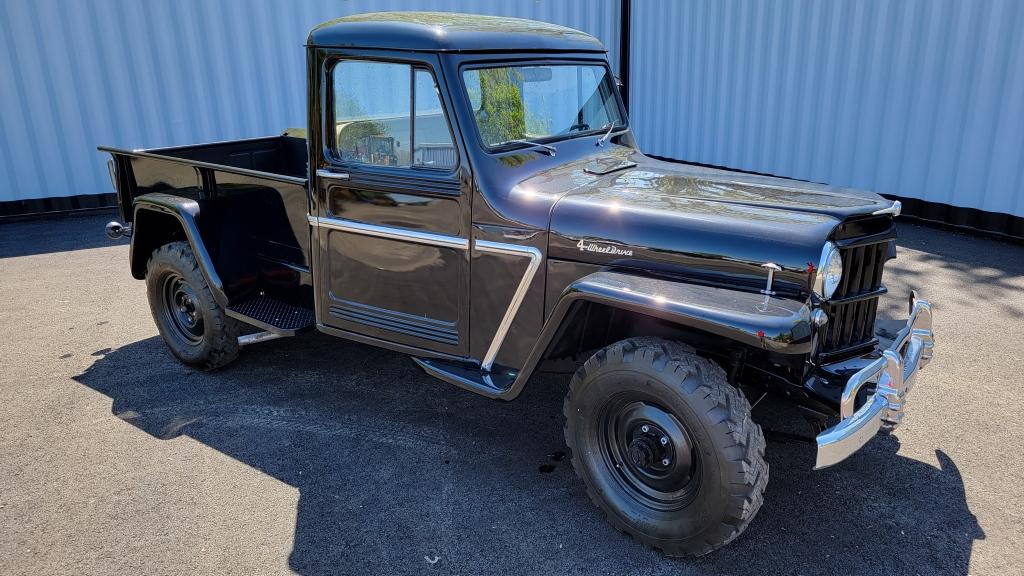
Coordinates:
[315,455]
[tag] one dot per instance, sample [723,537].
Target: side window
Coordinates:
[389,114]
[371,112]
[432,140]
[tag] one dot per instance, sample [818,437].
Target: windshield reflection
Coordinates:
[515,106]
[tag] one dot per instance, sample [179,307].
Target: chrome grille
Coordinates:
[853,306]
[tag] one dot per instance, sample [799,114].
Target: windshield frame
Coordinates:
[506,147]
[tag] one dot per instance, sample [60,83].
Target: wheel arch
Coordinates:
[163,218]
[696,315]
[593,324]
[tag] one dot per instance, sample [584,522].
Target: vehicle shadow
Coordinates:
[399,473]
[992,268]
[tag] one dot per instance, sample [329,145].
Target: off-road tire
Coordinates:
[728,476]
[216,343]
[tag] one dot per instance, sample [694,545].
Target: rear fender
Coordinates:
[185,213]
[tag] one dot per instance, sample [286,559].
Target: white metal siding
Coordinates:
[916,98]
[76,74]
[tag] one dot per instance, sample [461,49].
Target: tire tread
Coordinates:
[711,386]
[222,330]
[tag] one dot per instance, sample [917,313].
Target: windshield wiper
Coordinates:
[550,150]
[603,139]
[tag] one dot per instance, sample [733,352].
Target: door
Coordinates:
[393,209]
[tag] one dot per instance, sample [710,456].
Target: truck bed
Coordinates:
[278,155]
[253,205]
[179,169]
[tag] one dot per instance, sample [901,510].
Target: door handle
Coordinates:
[332,175]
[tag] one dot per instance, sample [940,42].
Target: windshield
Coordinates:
[517,103]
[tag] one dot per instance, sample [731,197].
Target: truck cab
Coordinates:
[468,191]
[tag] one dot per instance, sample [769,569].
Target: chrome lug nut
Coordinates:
[645,428]
[664,441]
[664,461]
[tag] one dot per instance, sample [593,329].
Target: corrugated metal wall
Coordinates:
[922,99]
[75,74]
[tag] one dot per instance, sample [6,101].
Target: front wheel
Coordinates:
[665,446]
[190,320]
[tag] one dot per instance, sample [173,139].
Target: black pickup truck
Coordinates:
[468,191]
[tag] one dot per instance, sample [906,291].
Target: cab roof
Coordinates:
[449,32]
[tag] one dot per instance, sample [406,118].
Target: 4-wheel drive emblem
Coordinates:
[585,246]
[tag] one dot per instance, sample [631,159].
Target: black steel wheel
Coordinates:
[182,308]
[665,445]
[650,452]
[191,322]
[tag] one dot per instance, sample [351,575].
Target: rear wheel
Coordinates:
[665,445]
[190,320]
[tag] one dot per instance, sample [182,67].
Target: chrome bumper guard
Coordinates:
[893,376]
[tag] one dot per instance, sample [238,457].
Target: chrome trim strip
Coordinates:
[818,285]
[517,298]
[248,339]
[894,209]
[331,175]
[415,236]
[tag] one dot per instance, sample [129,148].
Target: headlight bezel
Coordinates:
[825,287]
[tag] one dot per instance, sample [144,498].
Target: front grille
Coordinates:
[852,308]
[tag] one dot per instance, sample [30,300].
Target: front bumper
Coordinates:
[893,375]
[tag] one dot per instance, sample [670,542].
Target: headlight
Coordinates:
[830,271]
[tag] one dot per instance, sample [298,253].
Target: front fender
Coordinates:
[774,324]
[186,212]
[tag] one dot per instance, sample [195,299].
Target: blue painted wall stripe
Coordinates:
[918,98]
[76,74]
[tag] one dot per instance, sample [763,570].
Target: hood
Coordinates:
[637,212]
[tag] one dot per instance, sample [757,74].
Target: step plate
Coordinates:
[273,315]
[494,384]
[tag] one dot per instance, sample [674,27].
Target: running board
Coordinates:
[272,315]
[248,339]
[494,384]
